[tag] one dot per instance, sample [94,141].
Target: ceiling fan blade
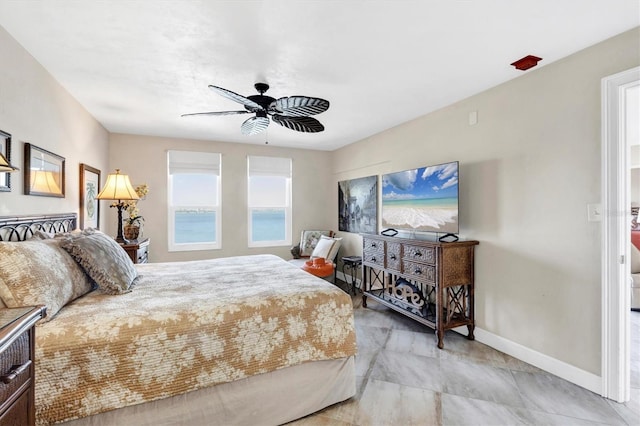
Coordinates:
[235,97]
[217,113]
[300,106]
[300,124]
[254,125]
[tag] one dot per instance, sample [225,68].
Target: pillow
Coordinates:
[334,250]
[104,260]
[39,272]
[323,248]
[41,235]
[635,260]
[308,241]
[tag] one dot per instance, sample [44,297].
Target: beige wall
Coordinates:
[34,108]
[144,159]
[528,169]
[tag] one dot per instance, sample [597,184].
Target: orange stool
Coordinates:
[318,267]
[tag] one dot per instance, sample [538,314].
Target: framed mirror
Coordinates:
[5,149]
[43,172]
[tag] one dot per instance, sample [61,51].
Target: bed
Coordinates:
[240,340]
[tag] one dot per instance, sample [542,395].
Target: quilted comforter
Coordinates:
[185,326]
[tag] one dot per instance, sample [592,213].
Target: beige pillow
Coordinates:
[334,250]
[39,272]
[40,235]
[308,241]
[104,260]
[323,247]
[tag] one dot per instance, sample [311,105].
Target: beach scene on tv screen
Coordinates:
[422,199]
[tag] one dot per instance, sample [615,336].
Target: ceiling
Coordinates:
[137,66]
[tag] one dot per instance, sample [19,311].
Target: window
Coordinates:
[269,201]
[194,213]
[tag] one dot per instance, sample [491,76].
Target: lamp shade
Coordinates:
[43,181]
[5,166]
[118,187]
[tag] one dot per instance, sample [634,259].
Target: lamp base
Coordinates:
[120,238]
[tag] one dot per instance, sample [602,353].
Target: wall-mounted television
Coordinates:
[423,199]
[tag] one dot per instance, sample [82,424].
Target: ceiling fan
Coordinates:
[291,112]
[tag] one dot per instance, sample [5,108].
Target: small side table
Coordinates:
[350,267]
[138,251]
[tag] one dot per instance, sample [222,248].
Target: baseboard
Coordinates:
[341,276]
[544,362]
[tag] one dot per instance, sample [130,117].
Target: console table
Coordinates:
[428,281]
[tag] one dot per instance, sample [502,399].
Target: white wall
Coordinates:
[528,169]
[34,108]
[144,159]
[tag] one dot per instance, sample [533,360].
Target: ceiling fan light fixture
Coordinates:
[291,112]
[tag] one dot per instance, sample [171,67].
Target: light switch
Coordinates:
[473,118]
[594,212]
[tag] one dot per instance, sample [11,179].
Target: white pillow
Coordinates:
[323,248]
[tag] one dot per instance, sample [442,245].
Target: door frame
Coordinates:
[616,217]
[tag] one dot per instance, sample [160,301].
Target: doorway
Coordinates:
[616,219]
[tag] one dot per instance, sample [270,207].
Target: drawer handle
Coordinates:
[373,259]
[15,371]
[417,271]
[417,254]
[393,257]
[374,245]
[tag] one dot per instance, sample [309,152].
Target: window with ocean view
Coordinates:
[269,201]
[194,200]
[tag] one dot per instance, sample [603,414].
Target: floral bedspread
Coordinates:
[185,326]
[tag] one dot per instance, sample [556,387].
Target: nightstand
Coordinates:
[137,251]
[17,368]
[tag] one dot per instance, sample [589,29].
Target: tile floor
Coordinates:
[403,379]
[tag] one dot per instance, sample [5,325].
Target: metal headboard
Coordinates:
[20,228]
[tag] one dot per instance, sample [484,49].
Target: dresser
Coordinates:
[137,251]
[428,281]
[17,369]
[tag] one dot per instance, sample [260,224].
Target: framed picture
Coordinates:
[5,149]
[89,205]
[43,172]
[358,205]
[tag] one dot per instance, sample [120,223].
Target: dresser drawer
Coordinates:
[375,257]
[142,255]
[18,412]
[419,271]
[393,256]
[420,254]
[373,245]
[15,367]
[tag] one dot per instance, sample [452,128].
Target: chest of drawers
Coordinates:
[17,369]
[428,281]
[139,251]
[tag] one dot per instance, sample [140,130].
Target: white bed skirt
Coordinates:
[266,399]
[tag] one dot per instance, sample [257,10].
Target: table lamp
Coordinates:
[118,187]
